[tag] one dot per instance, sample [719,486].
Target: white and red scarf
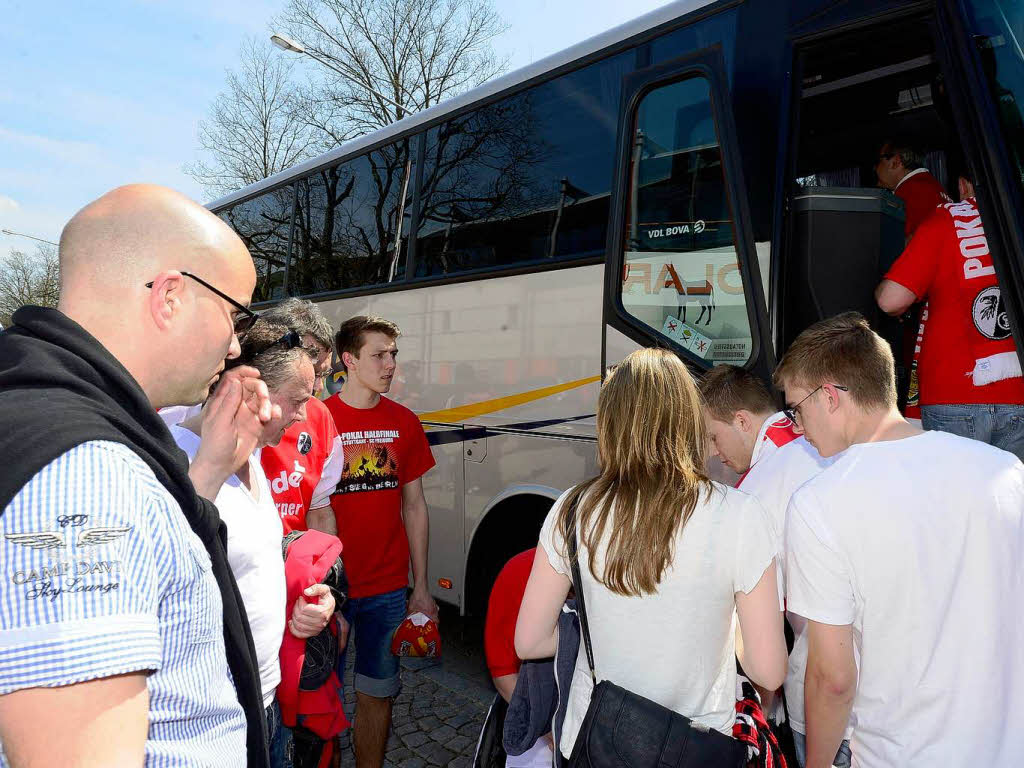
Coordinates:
[980,305]
[980,300]
[776,431]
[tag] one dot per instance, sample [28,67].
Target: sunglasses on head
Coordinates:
[290,340]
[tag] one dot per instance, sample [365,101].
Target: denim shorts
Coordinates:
[998,425]
[373,621]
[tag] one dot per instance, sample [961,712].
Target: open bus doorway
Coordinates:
[857,89]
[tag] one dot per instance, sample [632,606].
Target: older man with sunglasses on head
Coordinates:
[304,468]
[117,606]
[254,526]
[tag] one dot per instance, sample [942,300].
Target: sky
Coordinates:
[98,93]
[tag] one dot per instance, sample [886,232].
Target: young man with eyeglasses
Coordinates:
[305,466]
[906,549]
[765,448]
[118,609]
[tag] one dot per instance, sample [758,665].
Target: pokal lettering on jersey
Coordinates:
[371,461]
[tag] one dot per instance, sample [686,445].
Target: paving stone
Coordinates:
[407,727]
[398,755]
[413,762]
[462,761]
[415,739]
[435,754]
[394,742]
[428,723]
[442,733]
[460,744]
[459,719]
[470,729]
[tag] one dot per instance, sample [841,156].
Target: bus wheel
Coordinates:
[510,528]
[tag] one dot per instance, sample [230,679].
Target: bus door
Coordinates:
[980,44]
[682,269]
[943,78]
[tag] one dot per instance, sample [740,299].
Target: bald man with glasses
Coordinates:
[117,605]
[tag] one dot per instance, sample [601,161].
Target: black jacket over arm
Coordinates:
[59,388]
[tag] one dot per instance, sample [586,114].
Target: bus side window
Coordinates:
[681,273]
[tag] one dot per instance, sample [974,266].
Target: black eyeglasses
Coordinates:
[290,340]
[793,411]
[243,322]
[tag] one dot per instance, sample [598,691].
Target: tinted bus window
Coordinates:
[681,274]
[264,224]
[526,179]
[347,222]
[998,29]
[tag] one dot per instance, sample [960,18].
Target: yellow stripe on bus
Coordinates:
[461,413]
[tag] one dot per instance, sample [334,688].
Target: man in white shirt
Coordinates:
[254,526]
[761,444]
[907,549]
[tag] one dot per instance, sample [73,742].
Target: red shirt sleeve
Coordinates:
[917,266]
[502,612]
[418,458]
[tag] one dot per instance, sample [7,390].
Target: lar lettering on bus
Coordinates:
[641,275]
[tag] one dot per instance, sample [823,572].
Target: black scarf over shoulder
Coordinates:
[59,387]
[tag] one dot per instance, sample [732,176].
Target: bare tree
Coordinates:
[28,279]
[414,53]
[256,126]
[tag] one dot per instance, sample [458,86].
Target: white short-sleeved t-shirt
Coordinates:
[675,647]
[918,544]
[772,481]
[254,554]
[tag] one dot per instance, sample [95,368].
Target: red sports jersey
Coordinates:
[383,449]
[502,612]
[931,267]
[921,194]
[295,466]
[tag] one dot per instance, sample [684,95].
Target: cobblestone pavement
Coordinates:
[438,715]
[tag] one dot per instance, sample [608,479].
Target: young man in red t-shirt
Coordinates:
[304,468]
[379,513]
[969,371]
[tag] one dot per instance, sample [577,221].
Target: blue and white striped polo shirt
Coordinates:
[100,575]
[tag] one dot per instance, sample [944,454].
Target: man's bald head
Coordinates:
[138,230]
[136,269]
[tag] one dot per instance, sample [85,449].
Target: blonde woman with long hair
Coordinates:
[668,560]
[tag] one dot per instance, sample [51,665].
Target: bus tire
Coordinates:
[511,527]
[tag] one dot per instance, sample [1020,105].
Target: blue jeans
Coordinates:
[998,425]
[843,757]
[278,738]
[373,621]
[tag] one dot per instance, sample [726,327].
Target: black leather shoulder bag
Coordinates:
[622,729]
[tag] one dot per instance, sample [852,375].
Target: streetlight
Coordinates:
[30,237]
[286,43]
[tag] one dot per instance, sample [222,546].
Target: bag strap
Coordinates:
[581,604]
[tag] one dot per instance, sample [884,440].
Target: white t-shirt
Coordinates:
[677,646]
[254,554]
[772,479]
[918,544]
